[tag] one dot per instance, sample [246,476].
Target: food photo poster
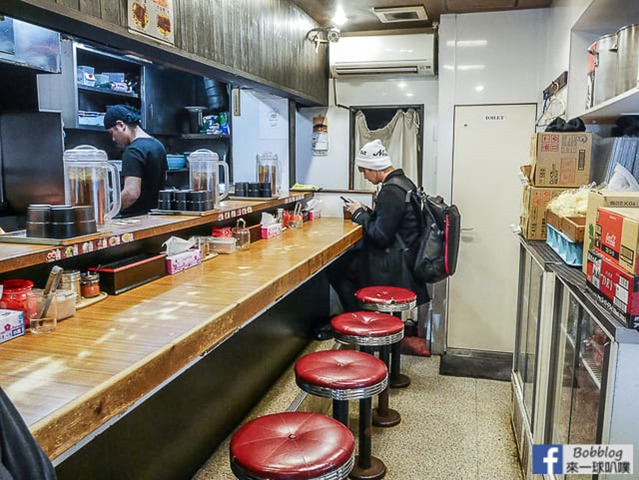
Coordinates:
[153,18]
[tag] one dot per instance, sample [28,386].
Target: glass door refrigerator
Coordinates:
[531,355]
[594,388]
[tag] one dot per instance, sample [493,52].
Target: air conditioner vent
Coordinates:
[408,54]
[401,14]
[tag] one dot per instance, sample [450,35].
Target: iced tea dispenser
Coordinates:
[91,180]
[268,170]
[204,169]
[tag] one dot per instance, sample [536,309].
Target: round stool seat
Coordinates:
[386,299]
[292,446]
[367,328]
[341,374]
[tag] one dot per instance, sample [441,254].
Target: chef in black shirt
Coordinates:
[143,161]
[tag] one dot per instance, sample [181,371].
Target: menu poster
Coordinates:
[153,18]
[320,136]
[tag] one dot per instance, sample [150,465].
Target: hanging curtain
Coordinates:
[399,137]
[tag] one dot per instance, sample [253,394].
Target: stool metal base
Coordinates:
[340,473]
[376,471]
[400,381]
[391,418]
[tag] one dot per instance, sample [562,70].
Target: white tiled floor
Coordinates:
[452,427]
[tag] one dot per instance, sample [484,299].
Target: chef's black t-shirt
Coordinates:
[145,158]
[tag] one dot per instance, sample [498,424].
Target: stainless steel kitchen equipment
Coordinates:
[605,83]
[31,146]
[627,57]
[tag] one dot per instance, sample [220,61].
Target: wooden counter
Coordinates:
[14,256]
[114,353]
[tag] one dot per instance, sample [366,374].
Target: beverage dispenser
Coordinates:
[204,168]
[268,170]
[91,180]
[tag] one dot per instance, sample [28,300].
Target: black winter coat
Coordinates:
[383,260]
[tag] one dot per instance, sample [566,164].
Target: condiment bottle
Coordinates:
[90,285]
[70,280]
[242,235]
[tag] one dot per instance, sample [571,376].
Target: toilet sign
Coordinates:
[494,117]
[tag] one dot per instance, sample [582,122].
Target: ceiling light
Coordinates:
[339,18]
[479,88]
[470,67]
[401,84]
[466,43]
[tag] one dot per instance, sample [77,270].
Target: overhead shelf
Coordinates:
[106,91]
[204,136]
[607,112]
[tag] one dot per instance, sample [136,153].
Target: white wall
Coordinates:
[331,171]
[486,58]
[261,127]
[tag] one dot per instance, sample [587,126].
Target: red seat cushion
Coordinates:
[367,324]
[387,295]
[340,369]
[292,446]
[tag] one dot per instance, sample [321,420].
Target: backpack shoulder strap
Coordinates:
[402,185]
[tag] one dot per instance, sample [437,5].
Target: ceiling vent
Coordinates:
[401,14]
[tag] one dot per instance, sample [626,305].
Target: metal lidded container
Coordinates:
[605,83]
[627,57]
[70,280]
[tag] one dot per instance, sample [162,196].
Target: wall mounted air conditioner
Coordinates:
[412,54]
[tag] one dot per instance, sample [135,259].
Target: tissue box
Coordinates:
[181,261]
[11,324]
[272,230]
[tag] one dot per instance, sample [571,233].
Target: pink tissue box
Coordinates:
[11,324]
[271,230]
[182,261]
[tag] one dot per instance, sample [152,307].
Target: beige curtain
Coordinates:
[399,137]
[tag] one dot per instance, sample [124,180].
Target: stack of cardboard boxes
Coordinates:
[559,161]
[611,242]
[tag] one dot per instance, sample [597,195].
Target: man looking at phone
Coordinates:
[391,233]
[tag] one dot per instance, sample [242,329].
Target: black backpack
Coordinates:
[440,226]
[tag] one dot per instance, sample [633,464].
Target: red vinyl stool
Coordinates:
[344,375]
[393,300]
[292,446]
[370,330]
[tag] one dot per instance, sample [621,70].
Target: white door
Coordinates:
[490,143]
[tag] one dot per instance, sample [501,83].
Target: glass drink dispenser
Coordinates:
[204,169]
[91,180]
[268,170]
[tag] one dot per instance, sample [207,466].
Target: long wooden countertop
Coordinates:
[108,356]
[14,256]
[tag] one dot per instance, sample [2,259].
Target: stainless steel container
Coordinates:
[627,57]
[605,83]
[70,281]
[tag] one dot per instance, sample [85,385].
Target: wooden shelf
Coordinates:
[15,256]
